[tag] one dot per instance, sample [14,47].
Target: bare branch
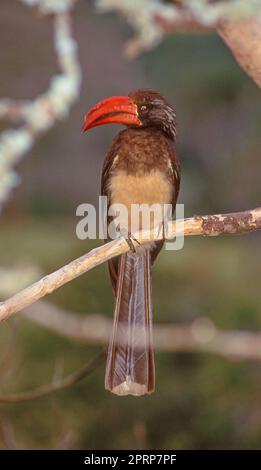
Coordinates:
[67,382]
[93,329]
[11,110]
[152,18]
[41,114]
[238,22]
[238,222]
[244,40]
[184,22]
[199,336]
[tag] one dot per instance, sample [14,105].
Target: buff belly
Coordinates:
[138,201]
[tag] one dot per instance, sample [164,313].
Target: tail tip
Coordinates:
[129,387]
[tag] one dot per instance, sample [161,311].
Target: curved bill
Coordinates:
[114,110]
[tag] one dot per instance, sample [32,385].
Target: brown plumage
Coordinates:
[141,167]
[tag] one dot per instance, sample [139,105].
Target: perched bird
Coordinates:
[141,167]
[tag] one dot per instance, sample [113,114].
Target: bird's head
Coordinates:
[141,108]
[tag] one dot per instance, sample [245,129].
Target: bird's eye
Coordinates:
[143,108]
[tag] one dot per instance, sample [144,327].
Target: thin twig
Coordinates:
[48,389]
[238,222]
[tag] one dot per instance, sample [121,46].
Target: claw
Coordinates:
[129,241]
[129,238]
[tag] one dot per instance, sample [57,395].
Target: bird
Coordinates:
[141,167]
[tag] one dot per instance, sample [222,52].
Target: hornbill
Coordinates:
[141,167]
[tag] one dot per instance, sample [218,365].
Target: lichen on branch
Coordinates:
[238,222]
[39,115]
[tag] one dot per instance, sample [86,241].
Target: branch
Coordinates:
[238,222]
[243,37]
[39,115]
[67,382]
[151,18]
[14,111]
[239,25]
[199,336]
[238,22]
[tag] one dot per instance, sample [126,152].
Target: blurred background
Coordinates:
[202,400]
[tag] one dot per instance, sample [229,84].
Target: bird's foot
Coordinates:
[131,241]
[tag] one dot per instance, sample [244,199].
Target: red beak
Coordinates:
[114,110]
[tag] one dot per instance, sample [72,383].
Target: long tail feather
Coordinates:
[130,362]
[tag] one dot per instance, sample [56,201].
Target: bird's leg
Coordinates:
[130,244]
[162,225]
[163,230]
[129,238]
